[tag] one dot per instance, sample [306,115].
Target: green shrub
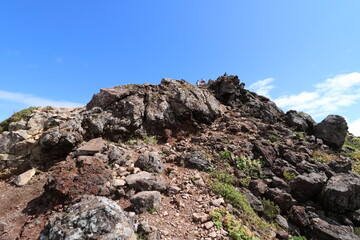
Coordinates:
[229,193]
[270,209]
[23,114]
[150,140]
[357,230]
[237,231]
[225,155]
[289,176]
[273,138]
[297,238]
[223,177]
[300,135]
[248,166]
[322,157]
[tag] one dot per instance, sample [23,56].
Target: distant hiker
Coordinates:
[202,81]
[197,82]
[242,85]
[225,74]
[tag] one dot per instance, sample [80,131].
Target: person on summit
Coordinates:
[202,82]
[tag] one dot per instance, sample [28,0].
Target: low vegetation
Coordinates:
[221,185]
[270,209]
[298,238]
[353,143]
[322,157]
[289,176]
[235,227]
[23,114]
[251,167]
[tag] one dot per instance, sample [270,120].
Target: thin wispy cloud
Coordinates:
[31,100]
[328,96]
[59,59]
[262,87]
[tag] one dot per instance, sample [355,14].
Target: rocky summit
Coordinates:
[178,161]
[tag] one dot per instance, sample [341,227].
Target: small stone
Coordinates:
[165,213]
[217,202]
[90,148]
[208,225]
[24,178]
[118,183]
[201,217]
[173,190]
[212,234]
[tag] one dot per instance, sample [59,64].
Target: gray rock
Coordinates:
[355,217]
[24,178]
[341,166]
[139,110]
[306,186]
[332,130]
[145,181]
[150,161]
[342,193]
[118,156]
[300,121]
[298,215]
[91,218]
[196,161]
[254,201]
[323,230]
[258,187]
[281,221]
[92,147]
[19,125]
[283,199]
[146,200]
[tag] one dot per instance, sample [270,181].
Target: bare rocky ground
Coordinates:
[157,161]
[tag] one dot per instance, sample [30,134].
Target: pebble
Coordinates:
[208,225]
[201,217]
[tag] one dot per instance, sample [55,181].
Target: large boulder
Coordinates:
[323,230]
[341,193]
[144,201]
[83,175]
[91,218]
[299,120]
[196,160]
[306,186]
[145,181]
[332,130]
[150,161]
[283,199]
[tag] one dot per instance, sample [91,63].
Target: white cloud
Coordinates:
[354,127]
[262,87]
[31,100]
[328,96]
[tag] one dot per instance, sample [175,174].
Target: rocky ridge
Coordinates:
[177,161]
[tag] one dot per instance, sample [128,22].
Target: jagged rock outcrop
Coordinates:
[139,110]
[332,130]
[306,186]
[300,121]
[91,218]
[229,92]
[342,193]
[151,147]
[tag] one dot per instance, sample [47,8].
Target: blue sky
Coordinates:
[302,54]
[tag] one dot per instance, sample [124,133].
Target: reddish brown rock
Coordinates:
[76,177]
